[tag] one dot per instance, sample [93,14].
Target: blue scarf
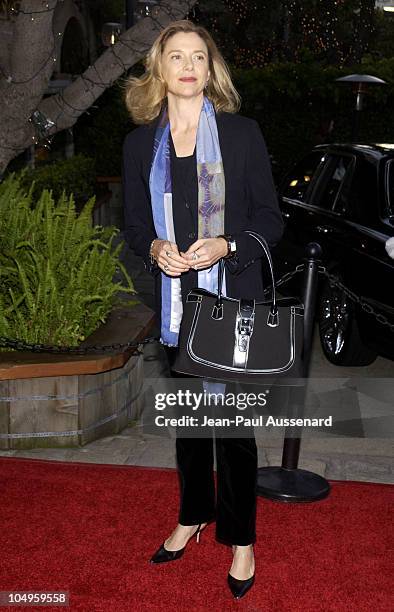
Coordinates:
[211,199]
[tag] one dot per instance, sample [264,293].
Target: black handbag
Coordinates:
[249,341]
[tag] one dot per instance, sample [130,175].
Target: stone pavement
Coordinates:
[347,453]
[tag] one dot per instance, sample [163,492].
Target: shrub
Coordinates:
[56,269]
[76,175]
[295,102]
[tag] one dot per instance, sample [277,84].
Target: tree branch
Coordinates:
[65,108]
[31,66]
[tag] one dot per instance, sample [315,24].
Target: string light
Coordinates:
[17,10]
[45,127]
[315,26]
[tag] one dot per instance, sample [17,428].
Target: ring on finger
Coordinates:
[168,253]
[166,268]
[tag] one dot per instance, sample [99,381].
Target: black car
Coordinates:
[342,196]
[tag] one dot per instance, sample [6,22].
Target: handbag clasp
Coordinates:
[244,327]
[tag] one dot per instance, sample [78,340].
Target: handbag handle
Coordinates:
[263,243]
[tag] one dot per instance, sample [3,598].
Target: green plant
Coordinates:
[76,175]
[56,269]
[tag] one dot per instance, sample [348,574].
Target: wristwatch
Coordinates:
[231,245]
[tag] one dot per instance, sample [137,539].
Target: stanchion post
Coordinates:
[291,446]
[309,293]
[289,483]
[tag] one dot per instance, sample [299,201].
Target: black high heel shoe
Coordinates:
[239,587]
[162,554]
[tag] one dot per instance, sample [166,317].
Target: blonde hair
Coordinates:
[144,95]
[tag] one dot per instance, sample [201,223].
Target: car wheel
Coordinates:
[339,333]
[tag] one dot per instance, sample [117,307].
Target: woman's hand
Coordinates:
[205,252]
[168,258]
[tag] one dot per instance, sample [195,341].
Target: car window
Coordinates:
[358,200]
[335,182]
[297,182]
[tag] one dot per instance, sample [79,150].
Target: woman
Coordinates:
[195,176]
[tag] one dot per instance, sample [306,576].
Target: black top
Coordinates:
[251,201]
[185,207]
[184,189]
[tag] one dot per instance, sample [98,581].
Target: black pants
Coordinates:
[235,506]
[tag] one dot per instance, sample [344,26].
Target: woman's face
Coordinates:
[184,64]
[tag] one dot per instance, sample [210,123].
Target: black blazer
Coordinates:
[251,202]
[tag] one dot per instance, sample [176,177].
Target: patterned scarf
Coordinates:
[211,198]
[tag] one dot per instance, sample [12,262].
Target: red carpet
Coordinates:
[91,529]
